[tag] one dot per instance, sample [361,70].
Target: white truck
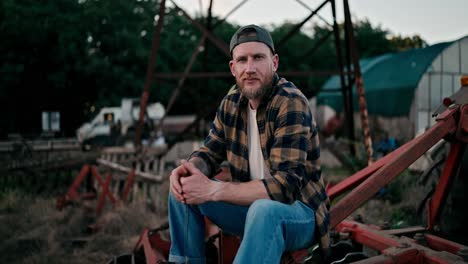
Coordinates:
[116,125]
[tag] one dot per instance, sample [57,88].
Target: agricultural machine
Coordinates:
[353,241]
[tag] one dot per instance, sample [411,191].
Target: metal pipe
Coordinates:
[298,26]
[359,85]
[394,167]
[149,73]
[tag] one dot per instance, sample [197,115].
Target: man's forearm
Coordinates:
[244,193]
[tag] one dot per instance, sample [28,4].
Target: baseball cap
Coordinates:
[251,33]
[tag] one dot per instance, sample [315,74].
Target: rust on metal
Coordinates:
[149,72]
[359,85]
[394,167]
[401,249]
[445,182]
[357,178]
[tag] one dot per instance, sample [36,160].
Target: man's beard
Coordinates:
[259,93]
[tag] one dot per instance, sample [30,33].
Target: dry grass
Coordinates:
[34,231]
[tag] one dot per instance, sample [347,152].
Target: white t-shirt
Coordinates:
[256,161]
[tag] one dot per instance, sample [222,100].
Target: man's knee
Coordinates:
[262,209]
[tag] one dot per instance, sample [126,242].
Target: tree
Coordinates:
[77,56]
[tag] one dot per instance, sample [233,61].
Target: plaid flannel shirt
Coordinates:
[289,144]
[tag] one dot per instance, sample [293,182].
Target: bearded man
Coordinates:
[265,131]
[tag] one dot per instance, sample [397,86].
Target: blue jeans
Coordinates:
[267,228]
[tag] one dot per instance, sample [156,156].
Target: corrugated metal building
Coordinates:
[402,89]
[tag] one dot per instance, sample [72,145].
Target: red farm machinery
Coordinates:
[417,244]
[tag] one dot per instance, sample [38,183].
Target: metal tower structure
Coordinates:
[347,65]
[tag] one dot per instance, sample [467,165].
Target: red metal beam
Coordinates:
[462,131]
[152,255]
[445,183]
[399,250]
[352,181]
[105,191]
[395,166]
[72,192]
[440,244]
[101,182]
[366,236]
[128,184]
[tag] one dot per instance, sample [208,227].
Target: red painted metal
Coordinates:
[155,248]
[73,195]
[447,101]
[162,246]
[101,182]
[404,231]
[128,184]
[72,192]
[363,234]
[151,251]
[441,244]
[462,131]
[395,166]
[354,180]
[105,191]
[445,183]
[398,250]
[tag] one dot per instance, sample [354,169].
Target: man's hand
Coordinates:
[197,188]
[174,182]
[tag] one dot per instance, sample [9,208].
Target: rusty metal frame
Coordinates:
[395,164]
[402,249]
[350,48]
[87,174]
[359,82]
[149,71]
[451,125]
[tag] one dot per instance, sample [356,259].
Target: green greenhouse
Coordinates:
[402,89]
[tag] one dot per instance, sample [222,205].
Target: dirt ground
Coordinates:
[34,231]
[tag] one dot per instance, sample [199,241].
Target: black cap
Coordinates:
[243,35]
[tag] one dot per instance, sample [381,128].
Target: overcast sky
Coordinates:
[434,20]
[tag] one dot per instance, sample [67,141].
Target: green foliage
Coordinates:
[78,55]
[401,43]
[404,217]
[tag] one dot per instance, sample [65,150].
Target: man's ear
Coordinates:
[275,59]
[231,67]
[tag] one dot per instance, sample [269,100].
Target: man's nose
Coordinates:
[250,66]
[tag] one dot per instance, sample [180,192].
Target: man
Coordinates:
[265,131]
